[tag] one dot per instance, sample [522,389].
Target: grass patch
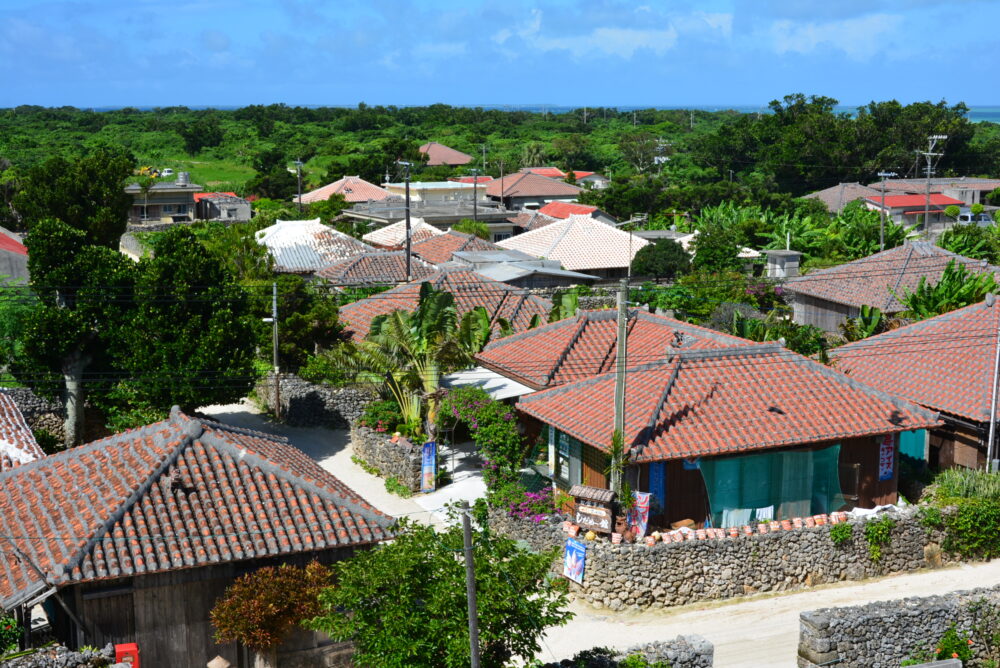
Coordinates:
[393,486]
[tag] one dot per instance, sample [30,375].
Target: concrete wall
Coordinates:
[669,574]
[883,634]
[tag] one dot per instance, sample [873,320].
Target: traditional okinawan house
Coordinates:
[440,248]
[354,189]
[826,298]
[581,243]
[501,301]
[725,435]
[306,246]
[13,258]
[133,538]
[945,364]
[393,237]
[524,190]
[381,268]
[563,210]
[439,154]
[17,442]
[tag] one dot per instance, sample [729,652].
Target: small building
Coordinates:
[440,248]
[827,297]
[837,197]
[520,269]
[163,202]
[581,243]
[526,221]
[439,154]
[354,189]
[968,189]
[380,268]
[227,207]
[441,215]
[481,178]
[306,246]
[17,442]
[393,237]
[582,178]
[13,258]
[436,192]
[911,210]
[563,210]
[502,302]
[945,364]
[150,526]
[721,437]
[525,190]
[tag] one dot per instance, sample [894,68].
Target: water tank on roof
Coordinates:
[183,178]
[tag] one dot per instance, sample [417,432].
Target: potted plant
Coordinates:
[626,502]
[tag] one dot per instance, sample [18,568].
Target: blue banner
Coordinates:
[574,560]
[428,467]
[658,486]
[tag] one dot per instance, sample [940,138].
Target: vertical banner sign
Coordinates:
[428,467]
[886,457]
[574,560]
[658,486]
[638,517]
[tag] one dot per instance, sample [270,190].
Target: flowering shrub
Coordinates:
[260,608]
[535,506]
[10,631]
[381,416]
[494,429]
[954,646]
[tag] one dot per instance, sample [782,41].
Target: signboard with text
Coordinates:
[594,518]
[886,457]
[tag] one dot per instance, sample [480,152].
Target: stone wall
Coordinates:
[305,404]
[39,413]
[883,634]
[668,574]
[58,656]
[400,460]
[682,652]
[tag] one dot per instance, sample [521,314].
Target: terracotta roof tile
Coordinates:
[174,494]
[380,268]
[943,363]
[723,401]
[353,188]
[580,243]
[439,154]
[586,345]
[837,197]
[564,209]
[872,280]
[896,201]
[439,249]
[470,289]
[525,184]
[531,220]
[394,236]
[17,442]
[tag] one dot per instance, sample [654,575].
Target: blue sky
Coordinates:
[580,52]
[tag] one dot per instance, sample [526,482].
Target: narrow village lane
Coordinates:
[762,632]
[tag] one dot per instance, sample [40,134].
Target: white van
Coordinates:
[166,171]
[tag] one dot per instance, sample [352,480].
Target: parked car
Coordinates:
[166,171]
[967,218]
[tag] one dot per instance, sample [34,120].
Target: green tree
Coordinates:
[952,211]
[717,248]
[189,337]
[639,150]
[308,320]
[86,194]
[204,132]
[403,605]
[957,287]
[979,243]
[474,227]
[533,155]
[663,260]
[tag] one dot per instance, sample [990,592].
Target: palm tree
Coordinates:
[533,155]
[405,354]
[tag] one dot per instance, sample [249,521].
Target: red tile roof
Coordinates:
[375,268]
[580,243]
[896,201]
[394,236]
[439,154]
[524,184]
[725,401]
[548,172]
[175,494]
[211,195]
[943,363]
[439,249]
[531,220]
[586,345]
[470,289]
[872,280]
[353,188]
[17,442]
[565,209]
[12,245]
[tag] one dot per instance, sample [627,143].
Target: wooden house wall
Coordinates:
[167,614]
[957,444]
[871,491]
[828,316]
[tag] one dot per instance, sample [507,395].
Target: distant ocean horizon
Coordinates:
[977,113]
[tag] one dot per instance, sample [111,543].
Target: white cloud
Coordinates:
[859,38]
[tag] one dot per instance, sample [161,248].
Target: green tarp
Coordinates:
[775,485]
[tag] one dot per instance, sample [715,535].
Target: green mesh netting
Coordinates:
[774,485]
[911,444]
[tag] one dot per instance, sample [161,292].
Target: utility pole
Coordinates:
[484,158]
[475,194]
[409,273]
[298,172]
[274,345]
[881,222]
[990,444]
[470,586]
[928,155]
[622,353]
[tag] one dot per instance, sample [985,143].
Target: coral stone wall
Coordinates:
[400,460]
[305,404]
